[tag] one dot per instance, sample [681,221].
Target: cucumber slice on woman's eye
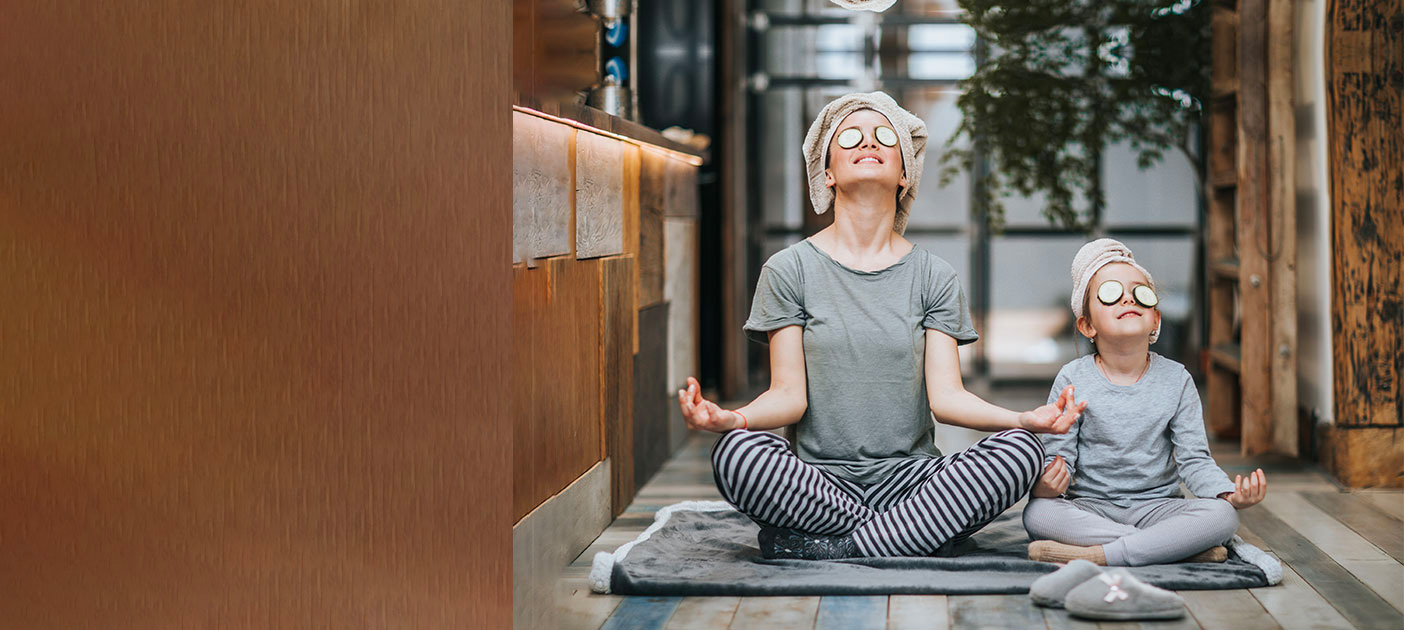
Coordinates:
[849,138]
[1146,296]
[886,136]
[1109,292]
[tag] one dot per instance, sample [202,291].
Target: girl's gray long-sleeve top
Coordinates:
[1135,441]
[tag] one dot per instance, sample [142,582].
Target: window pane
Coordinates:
[952,249]
[1029,333]
[940,66]
[838,37]
[936,206]
[1164,194]
[940,37]
[781,171]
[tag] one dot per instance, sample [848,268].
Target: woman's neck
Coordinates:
[862,227]
[1122,364]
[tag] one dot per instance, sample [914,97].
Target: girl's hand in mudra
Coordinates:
[1250,490]
[1057,417]
[1054,481]
[700,413]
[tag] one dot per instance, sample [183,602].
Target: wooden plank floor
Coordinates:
[1341,552]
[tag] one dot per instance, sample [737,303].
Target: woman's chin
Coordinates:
[869,183]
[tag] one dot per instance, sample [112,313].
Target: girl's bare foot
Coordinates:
[1049,551]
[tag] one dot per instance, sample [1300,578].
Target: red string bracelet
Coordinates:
[744,424]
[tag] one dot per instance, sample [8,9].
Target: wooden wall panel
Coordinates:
[651,399]
[255,315]
[632,217]
[554,49]
[620,321]
[684,322]
[558,407]
[653,195]
[680,189]
[599,196]
[542,189]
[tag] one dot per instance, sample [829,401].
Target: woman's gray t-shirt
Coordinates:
[864,352]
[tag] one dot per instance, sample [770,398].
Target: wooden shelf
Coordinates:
[1226,89]
[1225,269]
[1227,356]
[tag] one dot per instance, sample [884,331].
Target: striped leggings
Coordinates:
[923,505]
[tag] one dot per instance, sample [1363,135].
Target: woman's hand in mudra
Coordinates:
[1057,417]
[704,414]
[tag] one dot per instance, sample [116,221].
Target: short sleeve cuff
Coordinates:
[759,331]
[962,336]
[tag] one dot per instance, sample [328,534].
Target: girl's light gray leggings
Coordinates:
[1151,531]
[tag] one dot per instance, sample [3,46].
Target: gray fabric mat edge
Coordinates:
[714,553]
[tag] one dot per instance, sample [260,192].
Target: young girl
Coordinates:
[1110,487]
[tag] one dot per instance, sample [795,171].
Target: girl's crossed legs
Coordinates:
[1150,531]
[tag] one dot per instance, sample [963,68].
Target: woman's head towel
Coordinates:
[911,137]
[1094,256]
[876,6]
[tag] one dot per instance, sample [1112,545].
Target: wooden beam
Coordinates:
[1282,231]
[1223,406]
[734,253]
[1365,457]
[1365,158]
[1254,231]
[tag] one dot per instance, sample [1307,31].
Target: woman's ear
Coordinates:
[829,178]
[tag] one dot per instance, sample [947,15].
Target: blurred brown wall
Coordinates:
[254,314]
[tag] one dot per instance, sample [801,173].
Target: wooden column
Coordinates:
[1365,116]
[736,293]
[1266,229]
[1254,237]
[1281,226]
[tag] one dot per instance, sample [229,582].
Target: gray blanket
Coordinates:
[708,548]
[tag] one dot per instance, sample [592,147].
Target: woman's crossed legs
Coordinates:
[925,504]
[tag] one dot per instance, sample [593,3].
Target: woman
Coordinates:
[863,328]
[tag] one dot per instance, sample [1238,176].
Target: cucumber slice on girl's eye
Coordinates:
[1109,292]
[886,136]
[849,138]
[1146,296]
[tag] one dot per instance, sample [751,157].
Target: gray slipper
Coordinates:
[1050,589]
[1117,595]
